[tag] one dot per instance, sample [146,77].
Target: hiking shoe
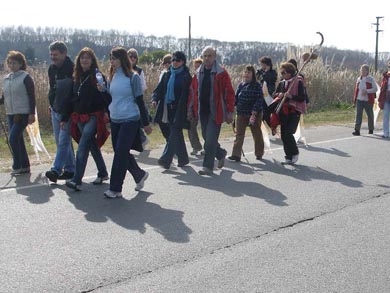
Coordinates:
[66,175]
[112,194]
[234,158]
[371,132]
[73,185]
[52,176]
[181,164]
[294,159]
[141,183]
[205,171]
[202,152]
[99,180]
[356,132]
[20,171]
[259,158]
[221,162]
[195,152]
[163,164]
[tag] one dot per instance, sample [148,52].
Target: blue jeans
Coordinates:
[210,133]
[175,146]
[16,140]
[88,143]
[123,136]
[64,160]
[386,117]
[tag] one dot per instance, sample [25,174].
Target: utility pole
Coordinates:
[189,38]
[376,44]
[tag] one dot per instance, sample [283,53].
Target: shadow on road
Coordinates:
[24,180]
[133,214]
[224,183]
[307,173]
[331,151]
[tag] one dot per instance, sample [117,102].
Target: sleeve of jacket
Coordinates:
[158,93]
[30,88]
[139,97]
[229,94]
[258,105]
[301,93]
[192,103]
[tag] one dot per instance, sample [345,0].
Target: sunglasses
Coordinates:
[167,63]
[176,59]
[132,57]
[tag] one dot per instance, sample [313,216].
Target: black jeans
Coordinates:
[288,126]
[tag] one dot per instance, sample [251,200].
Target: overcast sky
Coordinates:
[345,24]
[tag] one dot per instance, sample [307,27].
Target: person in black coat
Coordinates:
[173,91]
[269,76]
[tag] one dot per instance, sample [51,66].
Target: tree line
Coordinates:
[34,42]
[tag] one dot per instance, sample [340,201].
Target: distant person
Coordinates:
[89,115]
[161,115]
[291,86]
[384,101]
[266,74]
[133,56]
[60,93]
[364,98]
[249,106]
[193,131]
[19,99]
[173,90]
[128,113]
[212,90]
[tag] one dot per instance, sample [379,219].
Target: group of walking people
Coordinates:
[83,101]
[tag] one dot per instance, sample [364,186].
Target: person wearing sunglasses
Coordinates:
[292,88]
[213,94]
[173,91]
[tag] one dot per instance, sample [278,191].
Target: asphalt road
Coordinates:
[322,225]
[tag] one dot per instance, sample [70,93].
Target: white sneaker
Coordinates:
[112,194]
[294,159]
[141,183]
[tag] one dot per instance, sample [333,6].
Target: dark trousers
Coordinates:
[175,146]
[165,130]
[123,136]
[360,105]
[210,133]
[193,135]
[288,125]
[17,124]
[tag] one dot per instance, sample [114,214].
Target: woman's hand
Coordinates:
[31,118]
[148,129]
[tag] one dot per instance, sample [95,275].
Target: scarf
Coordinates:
[170,95]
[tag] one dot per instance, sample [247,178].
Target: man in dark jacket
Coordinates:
[60,92]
